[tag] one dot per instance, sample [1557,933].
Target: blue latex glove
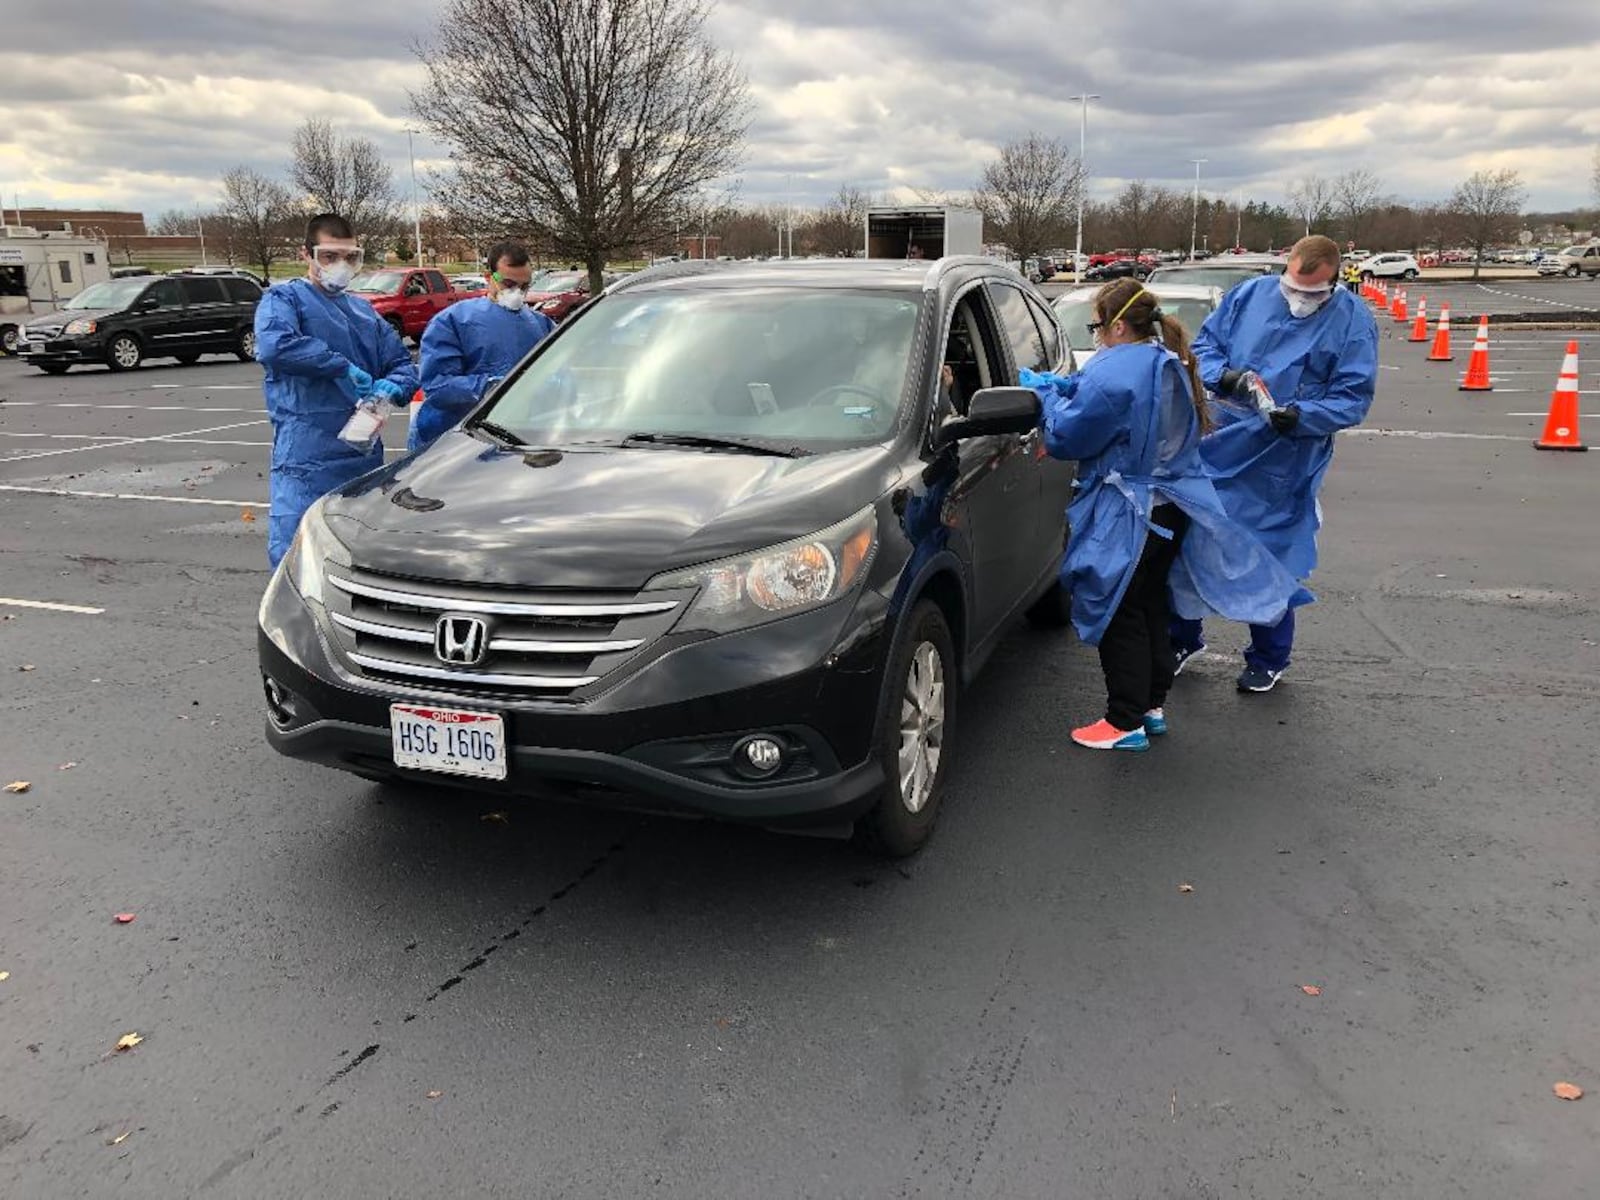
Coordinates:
[360,380]
[385,390]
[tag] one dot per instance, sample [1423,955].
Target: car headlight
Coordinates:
[549,305]
[79,327]
[313,545]
[779,581]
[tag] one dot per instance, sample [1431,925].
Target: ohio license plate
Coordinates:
[448,740]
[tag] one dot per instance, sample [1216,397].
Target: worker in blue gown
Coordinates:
[325,353]
[472,345]
[1149,534]
[1315,346]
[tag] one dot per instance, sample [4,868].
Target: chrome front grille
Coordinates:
[543,642]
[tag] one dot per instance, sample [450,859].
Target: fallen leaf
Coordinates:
[123,918]
[66,766]
[18,787]
[247,517]
[1311,989]
[1568,1091]
[4,975]
[434,1095]
[121,1137]
[1186,888]
[496,816]
[722,1022]
[27,667]
[128,1041]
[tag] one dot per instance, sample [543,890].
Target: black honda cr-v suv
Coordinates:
[730,542]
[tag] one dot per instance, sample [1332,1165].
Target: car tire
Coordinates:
[54,368]
[245,347]
[124,353]
[1410,274]
[187,359]
[916,716]
[399,327]
[8,339]
[1572,272]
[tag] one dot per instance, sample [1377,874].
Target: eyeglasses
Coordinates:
[327,256]
[1095,326]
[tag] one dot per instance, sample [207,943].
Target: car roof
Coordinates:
[841,273]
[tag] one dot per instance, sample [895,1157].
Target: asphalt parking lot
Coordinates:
[343,990]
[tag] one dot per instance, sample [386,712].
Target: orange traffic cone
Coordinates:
[1419,331]
[1477,377]
[1400,314]
[1561,426]
[1441,339]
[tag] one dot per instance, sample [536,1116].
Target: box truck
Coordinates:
[936,230]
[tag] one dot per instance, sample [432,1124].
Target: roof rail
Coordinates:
[686,268]
[943,266]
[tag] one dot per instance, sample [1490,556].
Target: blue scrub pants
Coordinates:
[1269,648]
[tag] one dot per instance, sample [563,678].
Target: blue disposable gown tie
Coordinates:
[307,340]
[1129,420]
[463,349]
[1325,364]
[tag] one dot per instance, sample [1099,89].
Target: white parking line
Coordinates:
[43,491]
[1429,435]
[165,437]
[51,607]
[403,414]
[209,387]
[1585,416]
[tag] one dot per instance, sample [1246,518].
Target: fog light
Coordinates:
[280,702]
[758,756]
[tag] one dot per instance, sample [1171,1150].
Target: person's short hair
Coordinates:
[513,254]
[330,225]
[1315,251]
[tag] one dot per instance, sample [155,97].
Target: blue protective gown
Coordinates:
[307,339]
[463,349]
[1327,365]
[1129,420]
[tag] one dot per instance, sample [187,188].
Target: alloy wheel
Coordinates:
[922,711]
[247,344]
[126,352]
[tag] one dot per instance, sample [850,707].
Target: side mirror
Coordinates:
[992,411]
[147,304]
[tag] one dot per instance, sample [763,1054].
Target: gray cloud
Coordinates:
[106,106]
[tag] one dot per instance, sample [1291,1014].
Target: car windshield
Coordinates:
[378,283]
[1076,314]
[813,370]
[118,293]
[558,281]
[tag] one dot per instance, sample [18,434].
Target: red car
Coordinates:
[557,293]
[405,297]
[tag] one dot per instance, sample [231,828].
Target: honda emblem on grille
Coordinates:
[461,641]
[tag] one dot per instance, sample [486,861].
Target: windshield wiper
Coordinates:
[710,442]
[499,433]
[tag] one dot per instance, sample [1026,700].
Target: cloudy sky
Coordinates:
[113,106]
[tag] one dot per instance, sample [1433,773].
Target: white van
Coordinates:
[1574,261]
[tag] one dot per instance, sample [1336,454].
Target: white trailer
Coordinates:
[42,271]
[922,230]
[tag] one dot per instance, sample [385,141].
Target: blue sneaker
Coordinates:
[1103,735]
[1258,679]
[1155,722]
[1180,655]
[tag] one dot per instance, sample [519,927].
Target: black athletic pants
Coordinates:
[1136,651]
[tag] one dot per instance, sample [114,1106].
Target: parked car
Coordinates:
[1190,304]
[722,544]
[407,298]
[1121,268]
[130,272]
[1573,261]
[1389,266]
[472,284]
[1039,270]
[557,293]
[241,272]
[123,322]
[1221,273]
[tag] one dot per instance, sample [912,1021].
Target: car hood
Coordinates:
[62,316]
[596,518]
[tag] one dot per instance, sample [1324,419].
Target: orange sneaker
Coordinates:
[1103,735]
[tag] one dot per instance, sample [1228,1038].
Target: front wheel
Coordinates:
[124,353]
[1571,272]
[245,348]
[399,327]
[9,339]
[1410,274]
[916,718]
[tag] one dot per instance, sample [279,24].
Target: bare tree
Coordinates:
[1142,216]
[1357,195]
[1485,209]
[839,228]
[175,222]
[347,176]
[1311,199]
[262,214]
[1594,178]
[599,121]
[1028,195]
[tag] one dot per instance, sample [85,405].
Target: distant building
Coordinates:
[90,221]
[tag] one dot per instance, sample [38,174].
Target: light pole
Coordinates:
[199,224]
[1238,224]
[1194,223]
[416,210]
[1083,149]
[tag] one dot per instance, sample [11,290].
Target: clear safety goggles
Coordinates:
[328,256]
[510,285]
[1321,292]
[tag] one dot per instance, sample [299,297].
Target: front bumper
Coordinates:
[64,350]
[660,738]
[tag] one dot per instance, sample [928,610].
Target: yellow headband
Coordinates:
[1127,306]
